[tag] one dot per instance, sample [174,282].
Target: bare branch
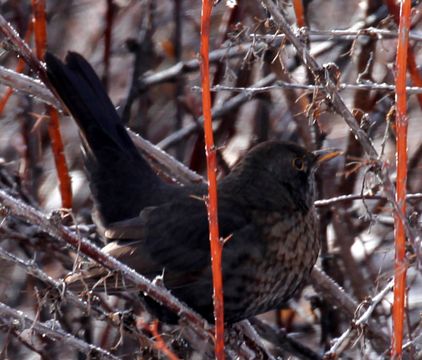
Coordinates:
[369,86]
[193,65]
[330,290]
[342,342]
[19,321]
[28,85]
[352,197]
[228,106]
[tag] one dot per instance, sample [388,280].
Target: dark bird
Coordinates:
[265,210]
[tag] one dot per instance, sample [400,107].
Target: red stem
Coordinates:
[216,245]
[65,183]
[40,27]
[401,151]
[411,62]
[40,32]
[299,12]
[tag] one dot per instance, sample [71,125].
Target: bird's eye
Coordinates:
[298,164]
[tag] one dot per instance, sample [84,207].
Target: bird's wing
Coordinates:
[173,240]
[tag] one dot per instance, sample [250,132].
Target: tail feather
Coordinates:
[121,181]
[83,94]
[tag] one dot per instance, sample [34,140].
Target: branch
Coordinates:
[281,339]
[31,269]
[400,265]
[367,85]
[336,296]
[212,201]
[217,112]
[28,85]
[21,47]
[183,67]
[357,325]
[352,197]
[165,163]
[348,34]
[19,321]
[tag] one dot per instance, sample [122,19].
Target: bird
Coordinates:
[265,211]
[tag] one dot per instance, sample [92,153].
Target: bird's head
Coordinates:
[283,170]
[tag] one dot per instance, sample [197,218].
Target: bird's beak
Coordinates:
[325,155]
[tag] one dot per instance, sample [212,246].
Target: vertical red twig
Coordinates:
[411,62]
[216,245]
[401,158]
[40,28]
[65,184]
[40,32]
[299,12]
[5,98]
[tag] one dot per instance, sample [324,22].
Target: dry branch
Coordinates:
[20,322]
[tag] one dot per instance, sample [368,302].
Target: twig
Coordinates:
[367,85]
[20,321]
[352,197]
[212,201]
[68,296]
[342,342]
[324,285]
[28,85]
[109,17]
[247,328]
[282,340]
[40,27]
[159,342]
[412,64]
[20,67]
[65,183]
[143,53]
[348,34]
[400,265]
[166,163]
[228,106]
[22,48]
[193,65]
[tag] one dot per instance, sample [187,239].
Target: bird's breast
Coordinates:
[291,250]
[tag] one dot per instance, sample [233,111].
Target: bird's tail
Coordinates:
[121,180]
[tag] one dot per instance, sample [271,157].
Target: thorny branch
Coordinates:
[337,297]
[19,321]
[62,294]
[357,325]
